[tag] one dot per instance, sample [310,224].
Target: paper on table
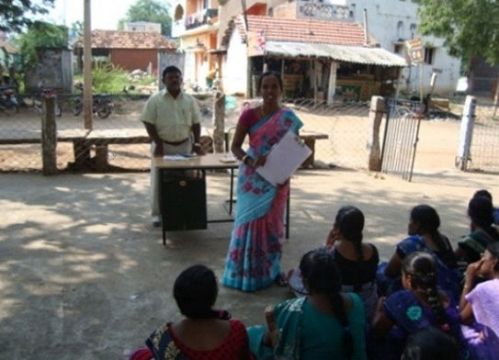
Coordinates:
[178,157]
[284,158]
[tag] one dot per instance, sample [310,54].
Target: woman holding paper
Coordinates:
[253,259]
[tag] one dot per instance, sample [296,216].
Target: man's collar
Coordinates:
[167,93]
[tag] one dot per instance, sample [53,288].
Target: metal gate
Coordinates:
[400,139]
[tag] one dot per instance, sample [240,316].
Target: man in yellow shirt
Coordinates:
[172,120]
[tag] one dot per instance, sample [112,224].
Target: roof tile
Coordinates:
[304,30]
[111,39]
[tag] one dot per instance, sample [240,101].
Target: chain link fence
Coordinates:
[339,134]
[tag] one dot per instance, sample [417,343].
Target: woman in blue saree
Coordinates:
[424,235]
[253,259]
[421,304]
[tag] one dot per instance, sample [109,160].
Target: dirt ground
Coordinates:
[83,275]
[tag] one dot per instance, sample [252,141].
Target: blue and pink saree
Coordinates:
[253,259]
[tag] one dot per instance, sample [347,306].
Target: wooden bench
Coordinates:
[308,137]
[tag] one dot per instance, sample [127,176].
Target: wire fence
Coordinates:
[484,150]
[339,134]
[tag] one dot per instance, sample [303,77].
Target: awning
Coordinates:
[352,54]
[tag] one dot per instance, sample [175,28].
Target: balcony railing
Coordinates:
[203,17]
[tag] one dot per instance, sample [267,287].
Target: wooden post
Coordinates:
[219,121]
[49,137]
[496,98]
[87,67]
[376,113]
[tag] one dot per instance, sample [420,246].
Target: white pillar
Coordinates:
[332,82]
[466,133]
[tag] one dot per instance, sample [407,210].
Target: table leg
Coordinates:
[231,198]
[309,162]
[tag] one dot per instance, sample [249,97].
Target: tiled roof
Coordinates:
[304,30]
[110,39]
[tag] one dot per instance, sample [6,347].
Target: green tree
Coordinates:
[470,28]
[41,34]
[15,14]
[151,11]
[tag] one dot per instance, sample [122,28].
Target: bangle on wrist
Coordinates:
[244,158]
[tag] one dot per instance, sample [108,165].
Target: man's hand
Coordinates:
[197,149]
[158,149]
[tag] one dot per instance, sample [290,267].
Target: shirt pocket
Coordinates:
[186,114]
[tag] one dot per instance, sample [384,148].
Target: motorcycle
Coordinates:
[102,105]
[42,93]
[8,99]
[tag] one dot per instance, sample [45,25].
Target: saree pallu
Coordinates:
[253,259]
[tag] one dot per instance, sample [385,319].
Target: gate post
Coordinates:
[466,133]
[376,112]
[49,137]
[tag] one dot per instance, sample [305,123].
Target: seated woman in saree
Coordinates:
[324,324]
[420,305]
[479,305]
[424,235]
[357,261]
[254,255]
[483,233]
[204,333]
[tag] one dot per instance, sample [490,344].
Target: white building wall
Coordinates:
[235,78]
[383,24]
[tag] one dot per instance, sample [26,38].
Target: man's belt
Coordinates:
[175,143]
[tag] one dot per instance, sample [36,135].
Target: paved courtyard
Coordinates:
[83,275]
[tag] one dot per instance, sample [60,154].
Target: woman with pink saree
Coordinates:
[253,259]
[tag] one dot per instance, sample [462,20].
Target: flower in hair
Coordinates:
[414,312]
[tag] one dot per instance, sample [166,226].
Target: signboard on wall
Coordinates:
[415,50]
[256,43]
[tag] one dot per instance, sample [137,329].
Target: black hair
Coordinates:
[422,269]
[429,222]
[493,248]
[481,211]
[171,69]
[350,222]
[270,73]
[483,193]
[430,344]
[195,291]
[321,276]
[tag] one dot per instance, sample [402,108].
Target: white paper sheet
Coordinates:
[284,158]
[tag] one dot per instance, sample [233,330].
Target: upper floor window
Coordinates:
[429,55]
[398,49]
[400,30]
[413,28]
